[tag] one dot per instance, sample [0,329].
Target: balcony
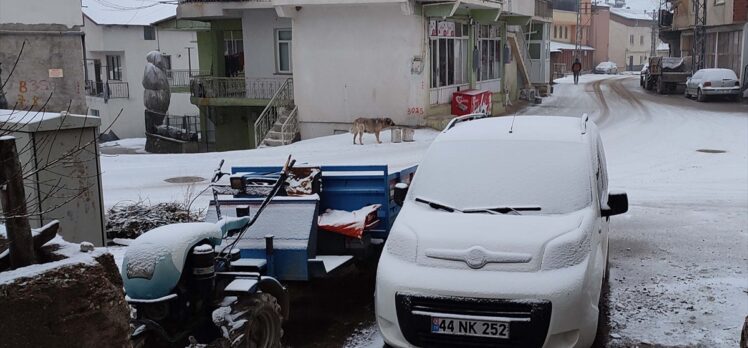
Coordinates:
[233,91]
[108,89]
[180,78]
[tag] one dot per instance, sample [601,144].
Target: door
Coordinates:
[631,63]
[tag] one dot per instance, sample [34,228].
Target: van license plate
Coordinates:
[478,328]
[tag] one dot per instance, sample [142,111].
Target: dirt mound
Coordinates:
[78,305]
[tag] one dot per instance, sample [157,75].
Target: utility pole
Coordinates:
[21,246]
[189,61]
[578,36]
[698,54]
[655,26]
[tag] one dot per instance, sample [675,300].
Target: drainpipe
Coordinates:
[472,50]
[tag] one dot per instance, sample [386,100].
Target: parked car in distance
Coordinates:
[606,68]
[512,254]
[713,82]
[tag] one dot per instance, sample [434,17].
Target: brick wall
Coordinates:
[740,11]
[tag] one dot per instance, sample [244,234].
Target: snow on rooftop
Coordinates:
[128,12]
[632,13]
[559,46]
[24,120]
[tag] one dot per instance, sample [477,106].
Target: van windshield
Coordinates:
[554,176]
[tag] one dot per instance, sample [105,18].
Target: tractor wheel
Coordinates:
[699,96]
[254,321]
[660,87]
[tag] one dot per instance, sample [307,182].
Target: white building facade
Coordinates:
[115,61]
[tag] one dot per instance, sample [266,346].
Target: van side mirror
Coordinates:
[618,203]
[401,190]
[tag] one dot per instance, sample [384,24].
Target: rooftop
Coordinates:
[564,46]
[40,121]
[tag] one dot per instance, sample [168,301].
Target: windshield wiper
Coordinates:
[503,210]
[438,206]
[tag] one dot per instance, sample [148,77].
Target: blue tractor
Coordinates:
[221,280]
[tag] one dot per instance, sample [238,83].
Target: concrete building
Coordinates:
[118,38]
[622,36]
[50,71]
[564,36]
[726,27]
[323,63]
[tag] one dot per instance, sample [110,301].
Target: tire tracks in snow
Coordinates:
[605,111]
[625,94]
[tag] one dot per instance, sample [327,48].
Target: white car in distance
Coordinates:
[502,239]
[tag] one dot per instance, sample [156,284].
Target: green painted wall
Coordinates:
[234,126]
[210,45]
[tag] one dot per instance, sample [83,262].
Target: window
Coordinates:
[283,57]
[719,2]
[167,61]
[489,46]
[149,33]
[113,68]
[94,112]
[233,52]
[555,31]
[631,39]
[641,40]
[566,32]
[448,50]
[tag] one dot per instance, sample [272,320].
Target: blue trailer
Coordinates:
[286,242]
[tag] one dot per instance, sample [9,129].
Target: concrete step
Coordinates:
[273,142]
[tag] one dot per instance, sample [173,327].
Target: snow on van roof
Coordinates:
[540,128]
[39,121]
[128,12]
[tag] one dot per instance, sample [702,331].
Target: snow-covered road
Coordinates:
[679,258]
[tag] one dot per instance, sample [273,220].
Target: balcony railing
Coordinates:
[235,87]
[108,89]
[181,77]
[544,8]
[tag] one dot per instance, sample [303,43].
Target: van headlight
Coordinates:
[568,249]
[402,243]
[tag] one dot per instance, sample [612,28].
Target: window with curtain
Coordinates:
[448,50]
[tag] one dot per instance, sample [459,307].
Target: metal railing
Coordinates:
[283,97]
[290,127]
[182,77]
[181,127]
[108,89]
[544,8]
[117,89]
[235,87]
[218,87]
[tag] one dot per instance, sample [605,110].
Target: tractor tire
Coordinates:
[660,87]
[255,321]
[699,96]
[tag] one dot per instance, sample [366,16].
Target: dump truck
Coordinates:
[666,74]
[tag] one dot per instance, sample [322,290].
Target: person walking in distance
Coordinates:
[576,68]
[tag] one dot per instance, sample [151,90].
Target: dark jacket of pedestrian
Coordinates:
[576,67]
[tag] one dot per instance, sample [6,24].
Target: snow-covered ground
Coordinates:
[132,177]
[679,258]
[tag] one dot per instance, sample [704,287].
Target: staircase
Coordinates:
[285,130]
[278,124]
[520,49]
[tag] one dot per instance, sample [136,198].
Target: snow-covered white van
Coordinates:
[502,239]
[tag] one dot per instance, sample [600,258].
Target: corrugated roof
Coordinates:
[128,12]
[631,14]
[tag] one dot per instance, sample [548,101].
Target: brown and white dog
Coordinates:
[369,125]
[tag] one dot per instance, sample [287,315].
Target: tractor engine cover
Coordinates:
[154,262]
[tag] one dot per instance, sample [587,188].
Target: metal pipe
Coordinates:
[42,32]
